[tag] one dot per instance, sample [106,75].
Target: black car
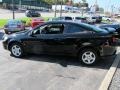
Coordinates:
[84,41]
[32,13]
[98,19]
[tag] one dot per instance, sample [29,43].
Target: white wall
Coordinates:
[64,7]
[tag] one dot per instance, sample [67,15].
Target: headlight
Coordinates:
[5,38]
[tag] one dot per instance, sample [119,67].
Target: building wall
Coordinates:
[28,3]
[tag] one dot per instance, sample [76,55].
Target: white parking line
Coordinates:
[108,78]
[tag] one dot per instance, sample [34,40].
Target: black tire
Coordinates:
[6,32]
[108,20]
[20,51]
[39,15]
[93,59]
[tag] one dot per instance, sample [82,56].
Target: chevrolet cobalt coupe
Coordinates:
[84,41]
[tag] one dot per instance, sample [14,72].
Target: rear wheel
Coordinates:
[88,56]
[16,50]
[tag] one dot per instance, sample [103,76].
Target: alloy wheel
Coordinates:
[88,57]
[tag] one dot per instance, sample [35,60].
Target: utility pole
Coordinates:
[95,6]
[55,8]
[112,10]
[13,9]
[20,4]
[82,11]
[95,2]
[61,8]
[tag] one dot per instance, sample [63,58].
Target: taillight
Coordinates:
[114,39]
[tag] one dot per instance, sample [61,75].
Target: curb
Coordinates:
[108,78]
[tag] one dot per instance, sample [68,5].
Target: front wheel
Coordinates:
[88,56]
[16,50]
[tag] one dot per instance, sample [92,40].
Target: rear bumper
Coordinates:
[108,50]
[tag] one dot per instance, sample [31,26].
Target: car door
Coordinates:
[53,37]
[75,35]
[66,41]
[33,43]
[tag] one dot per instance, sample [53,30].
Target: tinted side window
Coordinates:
[53,29]
[74,29]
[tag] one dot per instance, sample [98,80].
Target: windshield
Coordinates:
[13,22]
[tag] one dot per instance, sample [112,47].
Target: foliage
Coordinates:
[25,19]
[83,1]
[54,1]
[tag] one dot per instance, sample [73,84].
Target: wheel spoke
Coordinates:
[91,54]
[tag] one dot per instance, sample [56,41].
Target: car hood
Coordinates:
[18,34]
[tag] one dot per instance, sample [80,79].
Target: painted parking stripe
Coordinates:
[108,78]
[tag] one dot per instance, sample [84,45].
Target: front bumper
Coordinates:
[5,46]
[5,41]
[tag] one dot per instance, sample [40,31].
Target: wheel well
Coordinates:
[88,47]
[9,45]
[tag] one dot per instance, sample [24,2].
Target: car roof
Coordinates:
[69,22]
[87,26]
[13,20]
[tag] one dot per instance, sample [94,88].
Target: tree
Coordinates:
[54,1]
[49,1]
[58,1]
[65,1]
[83,1]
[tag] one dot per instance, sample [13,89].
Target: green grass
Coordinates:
[3,22]
[26,19]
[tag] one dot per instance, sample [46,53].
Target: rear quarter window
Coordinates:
[74,29]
